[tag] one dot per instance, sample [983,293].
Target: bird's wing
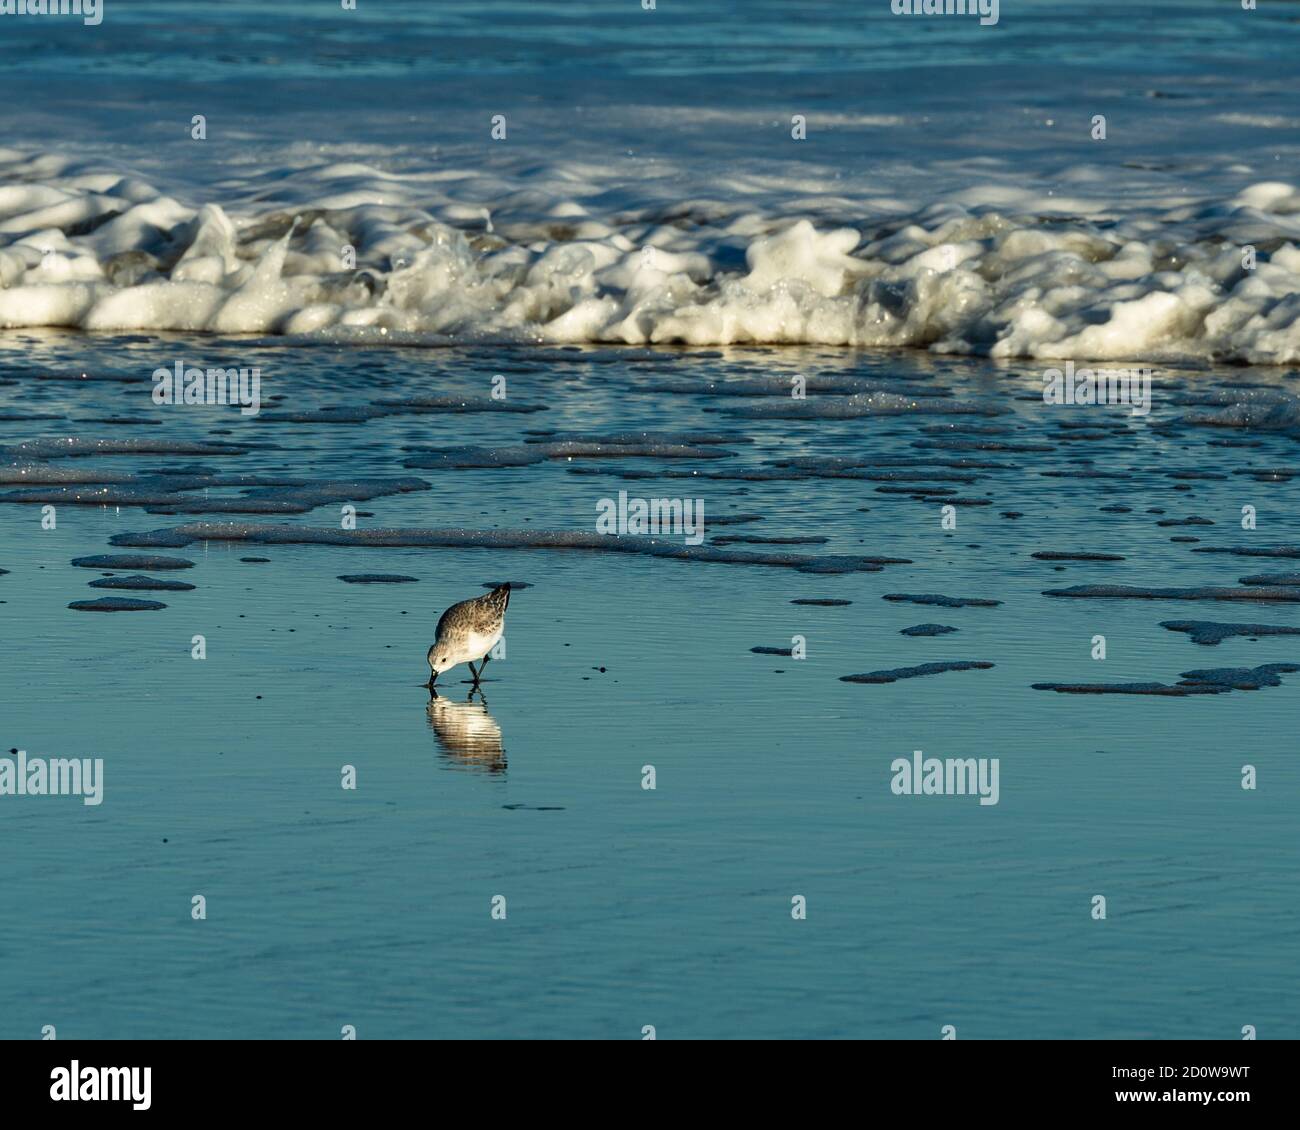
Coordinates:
[446,618]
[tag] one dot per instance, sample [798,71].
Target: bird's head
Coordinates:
[439,661]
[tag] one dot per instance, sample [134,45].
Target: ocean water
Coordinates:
[948,231]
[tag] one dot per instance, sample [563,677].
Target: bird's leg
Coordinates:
[482,664]
[473,672]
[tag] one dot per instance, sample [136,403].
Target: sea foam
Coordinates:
[393,259]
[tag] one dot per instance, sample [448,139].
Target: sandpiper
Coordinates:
[468,631]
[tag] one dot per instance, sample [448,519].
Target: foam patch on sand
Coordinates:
[174,494]
[893,675]
[1211,633]
[526,454]
[117,604]
[151,562]
[142,583]
[179,536]
[1217,680]
[942,601]
[1200,592]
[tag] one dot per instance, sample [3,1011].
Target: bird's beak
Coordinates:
[433,677]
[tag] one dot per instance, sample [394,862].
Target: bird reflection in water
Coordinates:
[467,734]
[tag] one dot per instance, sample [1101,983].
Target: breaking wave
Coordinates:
[369,254]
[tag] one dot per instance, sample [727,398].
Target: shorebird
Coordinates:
[468,631]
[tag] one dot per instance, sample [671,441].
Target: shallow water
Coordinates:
[629,907]
[953,198]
